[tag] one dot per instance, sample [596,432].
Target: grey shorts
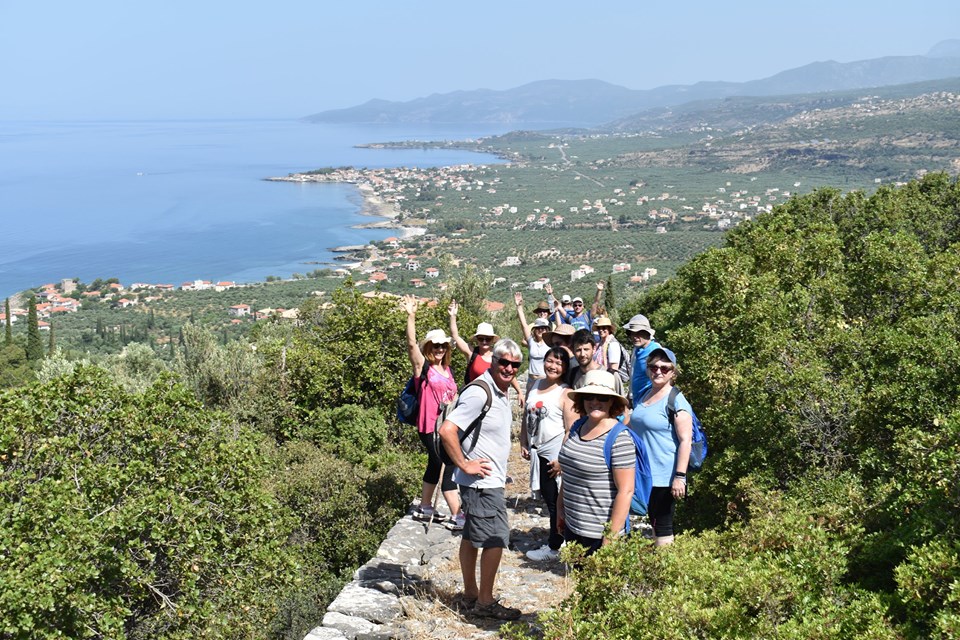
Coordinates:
[486,510]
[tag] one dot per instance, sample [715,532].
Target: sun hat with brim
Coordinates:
[603,321]
[639,323]
[541,306]
[662,352]
[540,323]
[485,329]
[436,336]
[598,382]
[564,330]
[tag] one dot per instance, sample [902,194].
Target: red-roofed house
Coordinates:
[239,310]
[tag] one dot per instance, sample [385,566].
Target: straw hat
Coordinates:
[436,336]
[598,382]
[565,330]
[603,321]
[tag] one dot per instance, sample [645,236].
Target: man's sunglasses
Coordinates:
[508,363]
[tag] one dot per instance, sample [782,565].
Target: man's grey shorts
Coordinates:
[486,525]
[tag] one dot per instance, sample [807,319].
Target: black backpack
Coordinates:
[438,447]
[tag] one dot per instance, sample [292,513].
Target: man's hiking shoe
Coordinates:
[426,513]
[456,523]
[496,611]
[463,604]
[543,553]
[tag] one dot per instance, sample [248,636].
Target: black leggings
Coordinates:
[549,490]
[660,509]
[432,474]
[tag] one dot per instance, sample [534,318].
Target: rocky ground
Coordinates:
[409,589]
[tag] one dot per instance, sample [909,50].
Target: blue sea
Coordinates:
[174,201]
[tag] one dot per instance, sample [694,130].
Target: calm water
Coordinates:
[176,201]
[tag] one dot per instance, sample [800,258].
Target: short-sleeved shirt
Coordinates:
[493,440]
[582,321]
[640,381]
[538,350]
[653,426]
[588,486]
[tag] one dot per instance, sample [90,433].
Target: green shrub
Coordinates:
[776,572]
[133,516]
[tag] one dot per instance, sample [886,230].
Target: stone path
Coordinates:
[408,589]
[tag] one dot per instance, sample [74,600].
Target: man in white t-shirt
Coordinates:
[481,461]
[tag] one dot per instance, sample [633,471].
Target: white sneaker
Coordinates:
[543,553]
[424,513]
[457,522]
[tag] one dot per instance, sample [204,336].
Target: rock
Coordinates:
[325,633]
[349,626]
[365,603]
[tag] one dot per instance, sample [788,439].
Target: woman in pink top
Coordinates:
[438,389]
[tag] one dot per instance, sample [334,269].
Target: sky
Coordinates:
[178,59]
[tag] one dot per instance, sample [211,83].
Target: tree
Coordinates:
[34,343]
[51,341]
[610,297]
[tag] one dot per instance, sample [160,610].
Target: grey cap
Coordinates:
[639,323]
[540,322]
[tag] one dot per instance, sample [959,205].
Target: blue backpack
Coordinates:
[642,477]
[408,404]
[698,448]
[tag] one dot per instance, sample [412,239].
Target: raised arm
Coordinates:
[410,304]
[596,300]
[457,340]
[518,298]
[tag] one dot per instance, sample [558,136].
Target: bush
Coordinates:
[776,572]
[133,516]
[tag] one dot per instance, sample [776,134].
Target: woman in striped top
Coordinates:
[593,494]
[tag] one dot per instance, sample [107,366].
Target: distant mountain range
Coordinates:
[594,102]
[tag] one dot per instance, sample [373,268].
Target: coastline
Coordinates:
[376,207]
[373,206]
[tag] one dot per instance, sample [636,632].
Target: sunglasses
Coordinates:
[660,368]
[439,345]
[484,339]
[592,397]
[543,311]
[578,304]
[508,363]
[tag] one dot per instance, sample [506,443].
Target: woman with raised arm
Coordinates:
[668,445]
[547,419]
[480,355]
[439,388]
[533,336]
[594,494]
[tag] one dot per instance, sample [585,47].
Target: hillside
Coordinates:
[594,102]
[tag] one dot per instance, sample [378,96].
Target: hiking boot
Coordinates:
[543,553]
[426,513]
[496,611]
[456,523]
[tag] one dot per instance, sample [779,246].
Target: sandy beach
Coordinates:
[375,206]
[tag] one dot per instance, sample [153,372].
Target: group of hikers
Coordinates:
[590,405]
